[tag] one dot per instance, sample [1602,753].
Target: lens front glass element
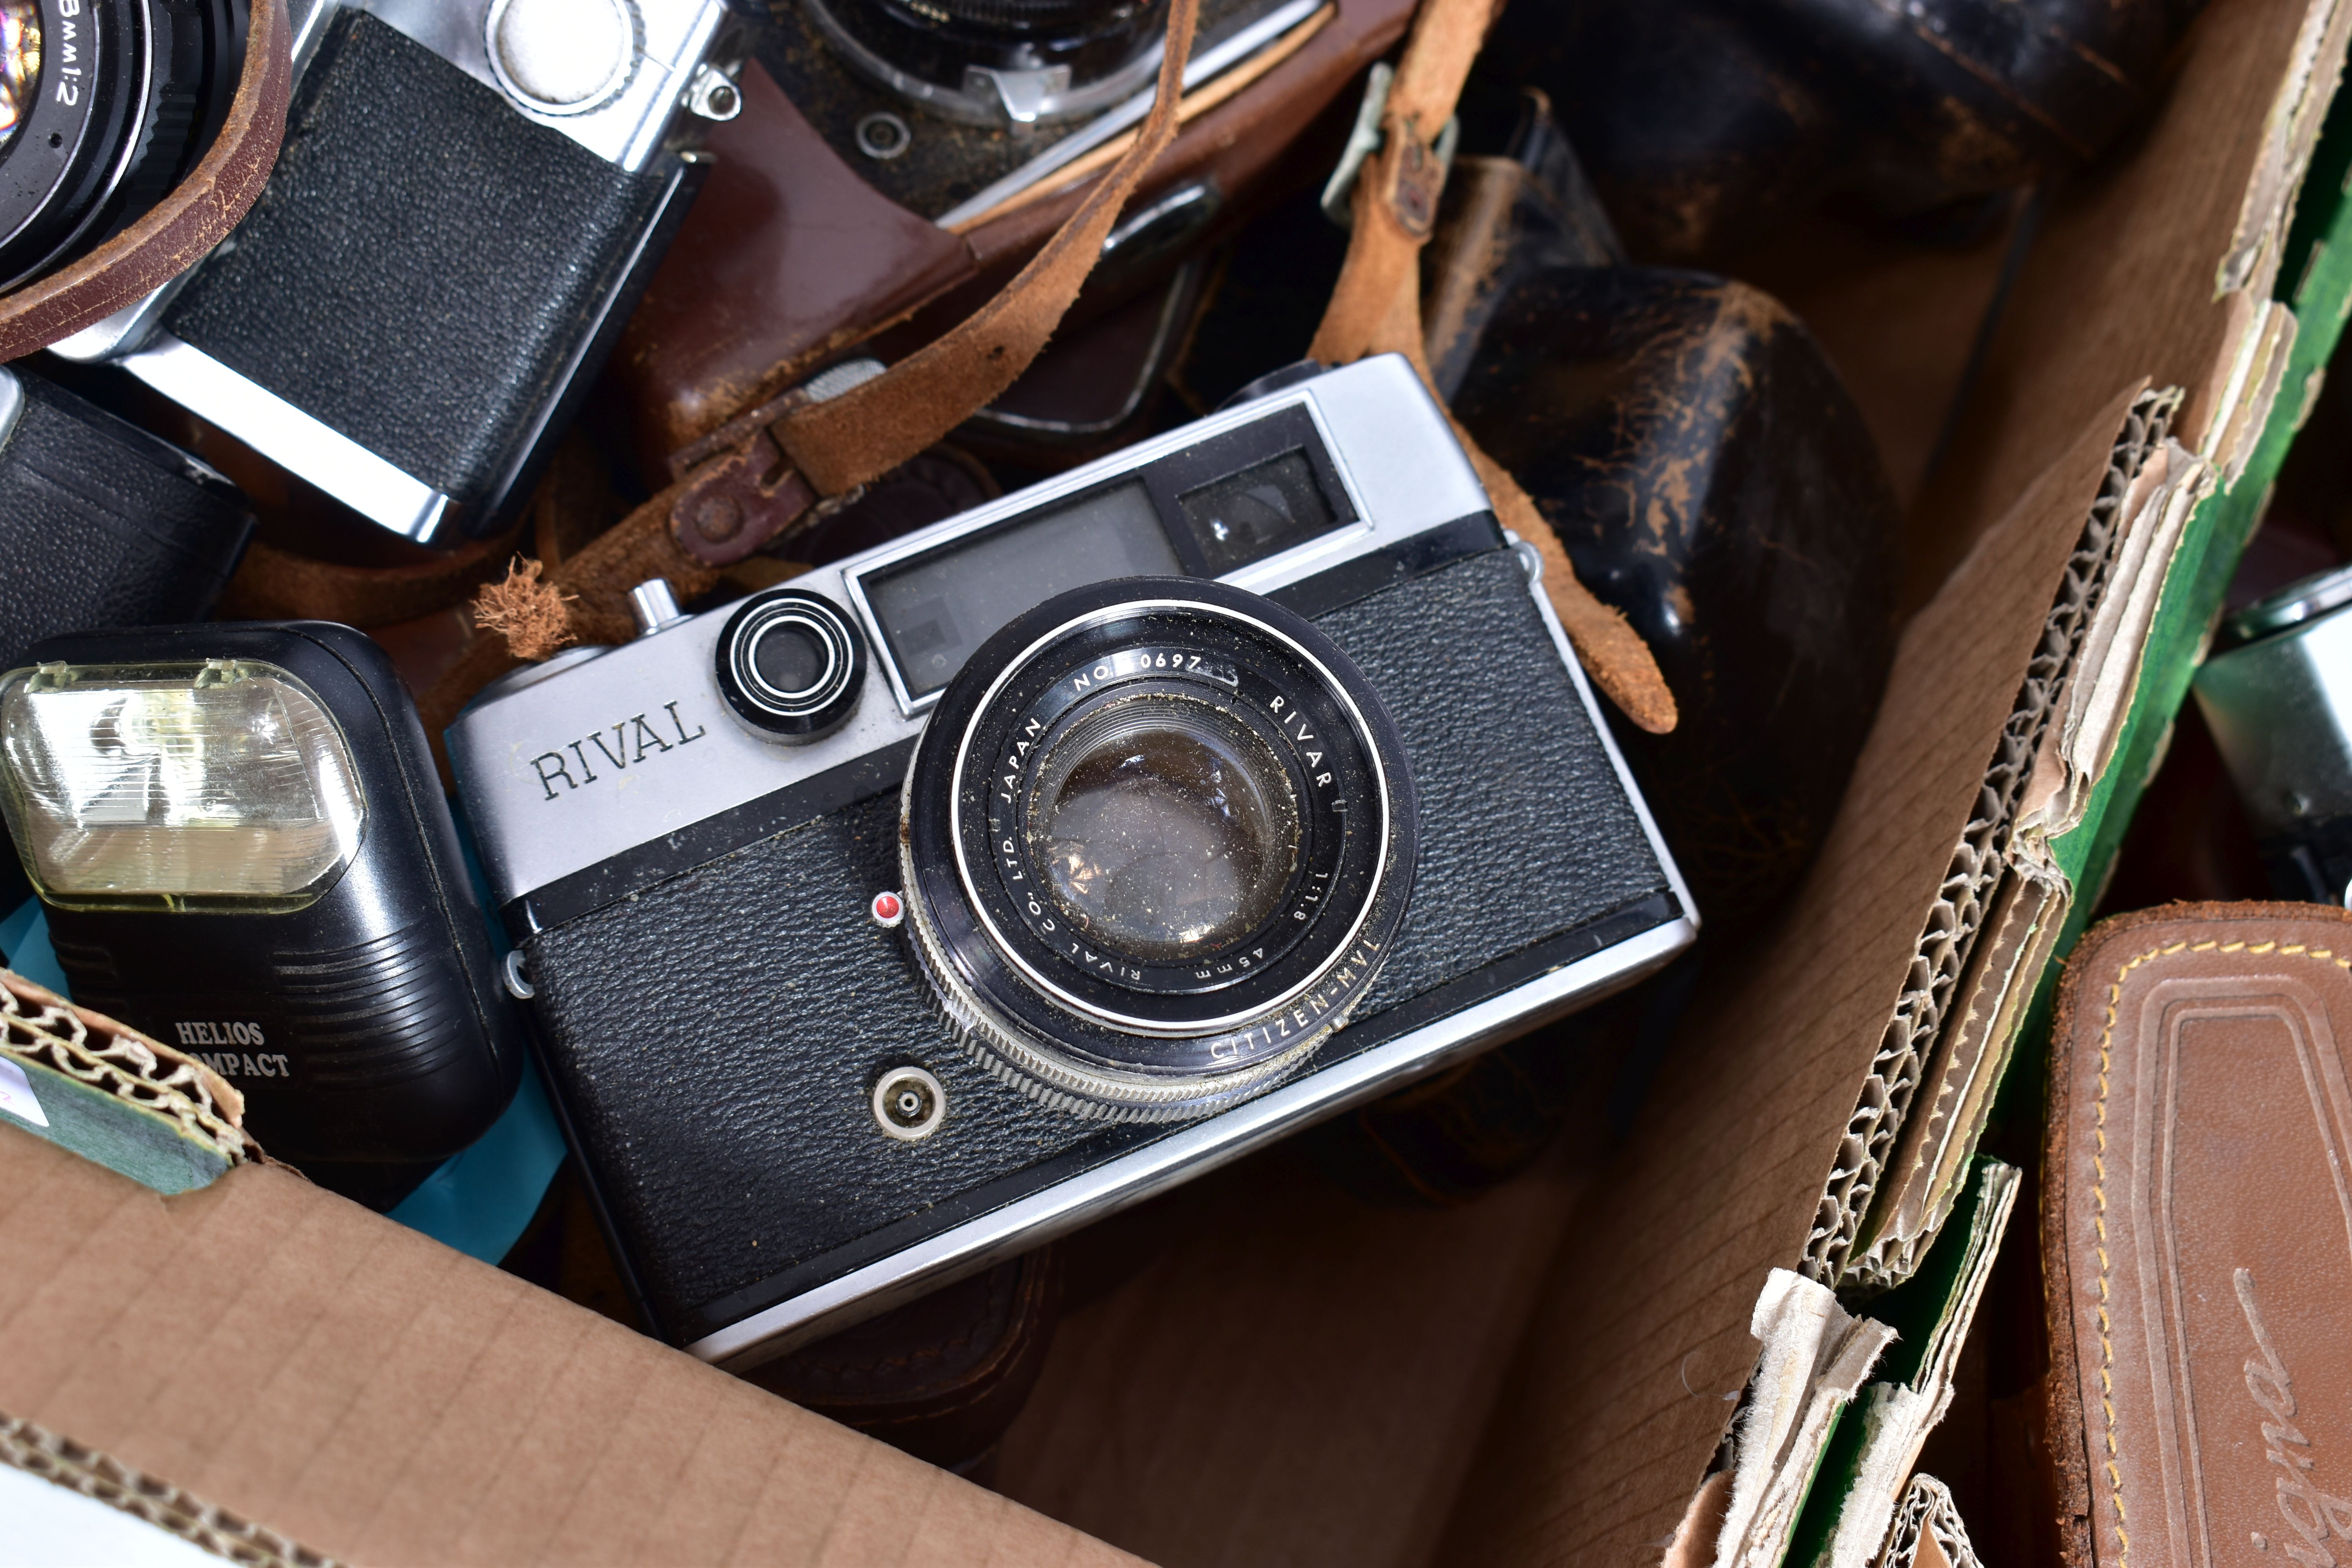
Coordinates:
[223,783]
[20,64]
[1166,826]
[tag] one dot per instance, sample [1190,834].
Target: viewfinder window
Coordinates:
[1263,510]
[935,611]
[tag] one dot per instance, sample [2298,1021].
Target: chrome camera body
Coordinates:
[888,923]
[2277,693]
[471,197]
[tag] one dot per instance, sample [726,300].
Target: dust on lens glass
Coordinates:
[1166,827]
[20,64]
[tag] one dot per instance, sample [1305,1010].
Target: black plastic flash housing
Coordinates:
[285,897]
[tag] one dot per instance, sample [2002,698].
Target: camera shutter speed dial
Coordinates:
[563,56]
[791,665]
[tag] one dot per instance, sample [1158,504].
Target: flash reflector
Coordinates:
[221,784]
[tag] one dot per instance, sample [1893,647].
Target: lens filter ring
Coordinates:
[105,105]
[1159,836]
[789,664]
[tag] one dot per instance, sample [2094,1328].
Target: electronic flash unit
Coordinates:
[243,850]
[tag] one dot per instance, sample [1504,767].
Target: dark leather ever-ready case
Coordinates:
[2196,1238]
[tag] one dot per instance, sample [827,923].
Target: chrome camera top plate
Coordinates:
[667,754]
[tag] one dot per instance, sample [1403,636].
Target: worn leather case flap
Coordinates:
[786,255]
[2198,1238]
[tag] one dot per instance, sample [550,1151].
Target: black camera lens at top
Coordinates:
[105,105]
[1053,16]
[929,49]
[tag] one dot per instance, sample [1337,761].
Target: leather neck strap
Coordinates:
[1376,308]
[175,234]
[771,465]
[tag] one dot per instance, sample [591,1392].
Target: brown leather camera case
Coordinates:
[756,292]
[2196,1232]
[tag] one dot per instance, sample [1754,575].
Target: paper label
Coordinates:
[16,1095]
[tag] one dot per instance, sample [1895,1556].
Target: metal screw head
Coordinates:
[712,96]
[909,1104]
[883,136]
[718,518]
[518,979]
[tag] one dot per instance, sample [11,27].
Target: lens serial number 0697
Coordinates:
[1141,660]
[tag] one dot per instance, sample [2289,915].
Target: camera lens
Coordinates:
[988,61]
[20,64]
[1158,837]
[105,105]
[1166,827]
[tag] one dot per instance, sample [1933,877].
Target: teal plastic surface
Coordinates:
[478,1202]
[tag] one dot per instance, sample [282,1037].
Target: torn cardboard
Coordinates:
[345,1383]
[1596,1447]
[85,1082]
[1813,1358]
[1863,1477]
[1929,1532]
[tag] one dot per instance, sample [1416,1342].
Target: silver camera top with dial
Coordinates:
[605,770]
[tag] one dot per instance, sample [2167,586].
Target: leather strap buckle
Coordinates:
[736,504]
[1418,181]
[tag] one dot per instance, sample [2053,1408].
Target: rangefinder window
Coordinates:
[933,611]
[1263,510]
[222,784]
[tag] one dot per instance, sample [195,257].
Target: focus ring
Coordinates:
[1058,1084]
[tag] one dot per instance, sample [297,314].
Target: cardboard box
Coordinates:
[1543,1377]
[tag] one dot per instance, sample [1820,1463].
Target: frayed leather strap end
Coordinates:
[529,614]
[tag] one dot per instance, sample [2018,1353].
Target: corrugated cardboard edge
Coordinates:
[1616,1401]
[37,1024]
[291,1358]
[1928,1531]
[1928,1021]
[1897,1417]
[1814,1357]
[60,1459]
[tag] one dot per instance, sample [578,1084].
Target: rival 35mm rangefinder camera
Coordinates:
[888,923]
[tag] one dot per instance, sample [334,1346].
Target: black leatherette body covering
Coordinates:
[104,524]
[715,1039]
[422,264]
